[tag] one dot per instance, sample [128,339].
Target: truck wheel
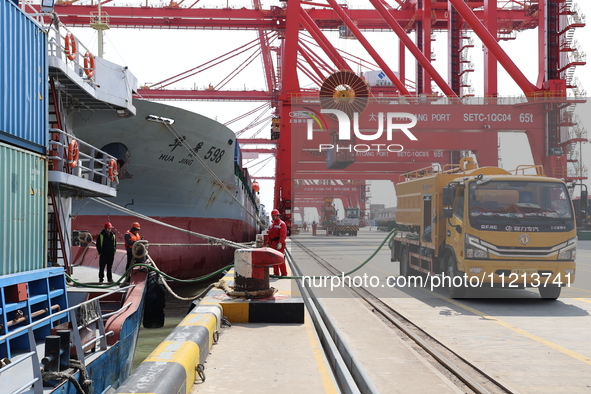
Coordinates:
[404,268]
[354,233]
[550,292]
[451,271]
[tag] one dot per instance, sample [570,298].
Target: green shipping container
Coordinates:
[23,213]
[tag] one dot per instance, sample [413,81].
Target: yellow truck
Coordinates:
[473,227]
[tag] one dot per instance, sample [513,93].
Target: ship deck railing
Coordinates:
[11,376]
[73,62]
[90,170]
[56,38]
[90,82]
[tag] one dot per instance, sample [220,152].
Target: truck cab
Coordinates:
[351,217]
[489,227]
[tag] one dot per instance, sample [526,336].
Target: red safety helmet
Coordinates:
[274,212]
[108,225]
[136,225]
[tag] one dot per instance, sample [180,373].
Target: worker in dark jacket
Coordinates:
[130,237]
[277,235]
[106,245]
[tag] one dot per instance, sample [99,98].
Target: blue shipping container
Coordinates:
[23,80]
[23,210]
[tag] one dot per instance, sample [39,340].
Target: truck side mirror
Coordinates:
[448,212]
[584,200]
[447,197]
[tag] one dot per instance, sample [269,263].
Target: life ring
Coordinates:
[71,46]
[89,64]
[113,170]
[73,153]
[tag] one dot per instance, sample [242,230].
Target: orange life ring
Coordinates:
[71,46]
[73,153]
[89,64]
[113,170]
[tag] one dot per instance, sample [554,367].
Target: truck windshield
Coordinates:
[526,203]
[352,213]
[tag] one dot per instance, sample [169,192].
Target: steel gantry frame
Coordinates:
[352,193]
[306,52]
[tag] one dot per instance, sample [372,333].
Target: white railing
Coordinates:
[92,163]
[56,38]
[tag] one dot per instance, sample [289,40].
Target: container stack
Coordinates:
[23,141]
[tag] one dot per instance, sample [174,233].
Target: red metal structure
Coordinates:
[304,52]
[310,193]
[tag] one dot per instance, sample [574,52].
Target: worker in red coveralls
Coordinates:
[277,235]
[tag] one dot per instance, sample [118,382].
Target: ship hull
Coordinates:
[183,170]
[114,366]
[107,354]
[175,252]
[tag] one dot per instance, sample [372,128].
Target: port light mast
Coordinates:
[99,21]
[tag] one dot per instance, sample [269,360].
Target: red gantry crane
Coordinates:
[310,193]
[291,38]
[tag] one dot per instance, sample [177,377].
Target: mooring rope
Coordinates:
[212,241]
[221,284]
[83,387]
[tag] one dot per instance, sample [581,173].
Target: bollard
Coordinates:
[64,359]
[51,361]
[265,237]
[252,268]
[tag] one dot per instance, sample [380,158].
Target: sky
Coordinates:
[154,55]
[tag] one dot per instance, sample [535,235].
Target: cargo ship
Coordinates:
[54,337]
[179,169]
[177,173]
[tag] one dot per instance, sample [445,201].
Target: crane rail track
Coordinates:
[463,373]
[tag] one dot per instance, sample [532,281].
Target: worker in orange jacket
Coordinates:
[131,237]
[277,235]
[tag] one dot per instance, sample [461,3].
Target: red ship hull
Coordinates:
[176,253]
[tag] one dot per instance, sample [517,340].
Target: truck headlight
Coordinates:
[474,250]
[569,252]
